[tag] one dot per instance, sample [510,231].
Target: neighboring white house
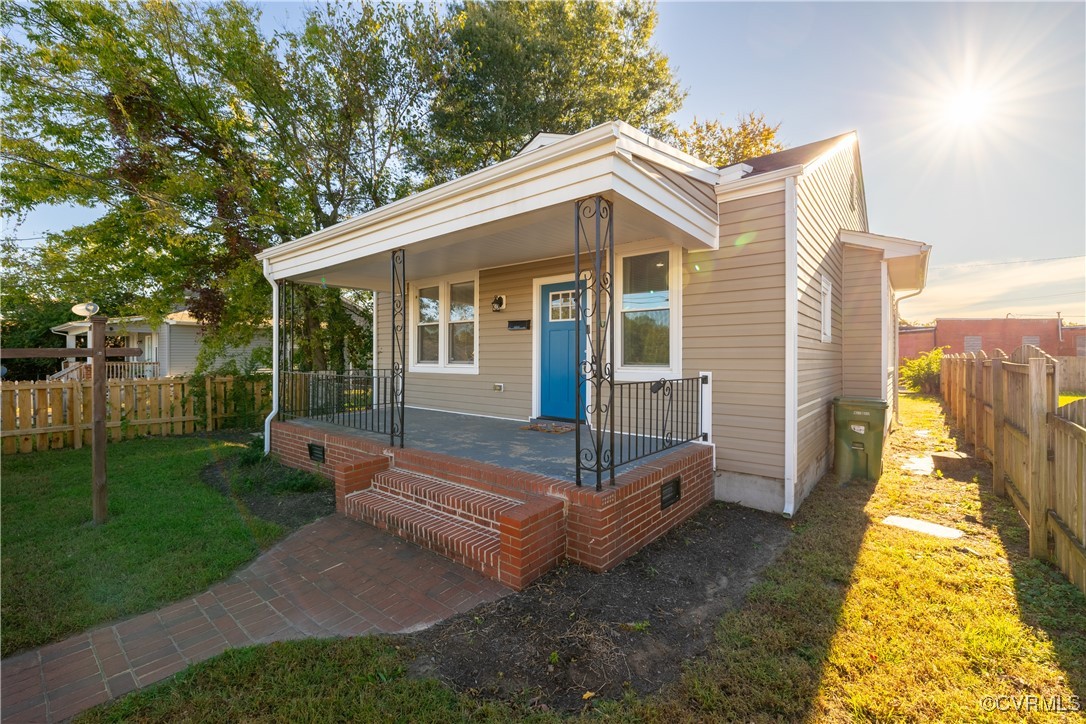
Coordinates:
[170,349]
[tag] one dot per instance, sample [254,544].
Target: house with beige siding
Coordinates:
[603,333]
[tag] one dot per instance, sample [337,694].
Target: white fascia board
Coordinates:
[734,172]
[604,135]
[636,143]
[539,193]
[725,189]
[848,141]
[891,246]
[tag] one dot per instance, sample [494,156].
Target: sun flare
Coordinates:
[968,107]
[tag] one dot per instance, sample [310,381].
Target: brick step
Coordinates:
[468,543]
[470,504]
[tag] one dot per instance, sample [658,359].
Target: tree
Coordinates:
[515,69]
[206,141]
[721,145]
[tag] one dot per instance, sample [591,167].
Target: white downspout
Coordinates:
[791,344]
[275,357]
[897,352]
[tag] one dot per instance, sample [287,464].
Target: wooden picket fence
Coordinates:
[1008,409]
[50,415]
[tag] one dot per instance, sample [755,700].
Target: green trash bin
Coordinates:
[858,437]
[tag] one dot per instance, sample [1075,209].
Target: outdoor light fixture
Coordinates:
[499,303]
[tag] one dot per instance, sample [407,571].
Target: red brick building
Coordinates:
[1007,334]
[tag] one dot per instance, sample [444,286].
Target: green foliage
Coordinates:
[258,473]
[252,454]
[721,145]
[922,373]
[515,69]
[204,141]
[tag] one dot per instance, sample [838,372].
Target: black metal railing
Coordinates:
[651,417]
[362,399]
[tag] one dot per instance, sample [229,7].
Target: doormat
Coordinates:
[550,427]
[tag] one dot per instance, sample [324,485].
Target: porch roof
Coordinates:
[516,211]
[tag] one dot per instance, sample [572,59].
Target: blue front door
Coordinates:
[561,353]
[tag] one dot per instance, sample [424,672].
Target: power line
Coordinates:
[968,265]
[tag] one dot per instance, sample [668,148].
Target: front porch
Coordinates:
[548,286]
[495,497]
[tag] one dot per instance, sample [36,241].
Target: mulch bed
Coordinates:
[291,511]
[574,631]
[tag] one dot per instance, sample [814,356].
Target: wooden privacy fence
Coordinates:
[44,415]
[1072,374]
[1008,409]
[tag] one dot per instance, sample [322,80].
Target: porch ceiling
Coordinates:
[532,236]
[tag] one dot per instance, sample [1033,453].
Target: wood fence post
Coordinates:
[998,486]
[77,412]
[970,402]
[210,403]
[98,418]
[1038,458]
[979,436]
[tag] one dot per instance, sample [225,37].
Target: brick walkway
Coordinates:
[334,577]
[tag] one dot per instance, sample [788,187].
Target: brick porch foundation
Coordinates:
[509,524]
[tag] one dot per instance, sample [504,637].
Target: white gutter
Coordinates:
[275,357]
[791,344]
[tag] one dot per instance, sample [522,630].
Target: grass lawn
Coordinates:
[856,620]
[168,535]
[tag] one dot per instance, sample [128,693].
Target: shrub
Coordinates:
[922,373]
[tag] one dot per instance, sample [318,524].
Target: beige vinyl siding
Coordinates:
[862,323]
[733,326]
[825,204]
[504,356]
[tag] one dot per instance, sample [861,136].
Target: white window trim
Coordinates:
[442,366]
[826,308]
[641,373]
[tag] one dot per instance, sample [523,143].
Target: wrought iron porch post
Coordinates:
[399,347]
[594,236]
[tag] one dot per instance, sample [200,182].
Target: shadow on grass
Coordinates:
[768,660]
[1047,601]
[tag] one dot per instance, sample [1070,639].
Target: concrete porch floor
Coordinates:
[505,443]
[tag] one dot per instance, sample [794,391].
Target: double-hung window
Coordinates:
[648,314]
[445,320]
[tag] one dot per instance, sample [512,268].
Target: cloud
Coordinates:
[1026,289]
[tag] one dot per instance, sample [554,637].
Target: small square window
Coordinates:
[562,306]
[973,343]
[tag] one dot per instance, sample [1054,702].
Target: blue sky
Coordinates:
[971,119]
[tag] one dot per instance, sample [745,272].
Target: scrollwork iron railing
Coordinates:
[361,399]
[651,417]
